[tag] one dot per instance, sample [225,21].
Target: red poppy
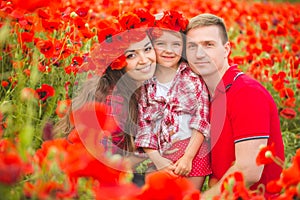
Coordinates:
[146,19]
[45,190]
[288,113]
[74,66]
[45,91]
[44,68]
[172,20]
[28,94]
[168,187]
[94,116]
[119,63]
[286,93]
[129,21]
[234,187]
[31,5]
[50,25]
[4,83]
[27,37]
[289,102]
[62,107]
[45,47]
[27,72]
[11,164]
[266,155]
[82,12]
[43,14]
[274,186]
[291,175]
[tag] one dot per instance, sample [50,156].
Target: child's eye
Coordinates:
[159,44]
[177,44]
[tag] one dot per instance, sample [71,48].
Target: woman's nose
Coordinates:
[142,58]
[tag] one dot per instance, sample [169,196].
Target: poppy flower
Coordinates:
[288,113]
[82,12]
[94,116]
[4,83]
[291,175]
[45,47]
[119,63]
[62,107]
[27,37]
[146,19]
[31,5]
[168,187]
[28,94]
[234,187]
[71,68]
[45,91]
[50,25]
[172,20]
[11,164]
[266,155]
[129,21]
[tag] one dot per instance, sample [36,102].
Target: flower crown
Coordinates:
[172,20]
[115,35]
[169,20]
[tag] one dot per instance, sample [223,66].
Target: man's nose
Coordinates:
[200,52]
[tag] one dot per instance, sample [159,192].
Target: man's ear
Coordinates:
[227,47]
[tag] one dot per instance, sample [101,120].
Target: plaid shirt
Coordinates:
[187,95]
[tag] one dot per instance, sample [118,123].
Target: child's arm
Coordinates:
[184,164]
[160,162]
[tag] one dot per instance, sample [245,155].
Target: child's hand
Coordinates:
[183,166]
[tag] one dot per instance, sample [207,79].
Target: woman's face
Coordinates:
[168,49]
[141,60]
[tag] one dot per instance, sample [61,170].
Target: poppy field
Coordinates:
[44,45]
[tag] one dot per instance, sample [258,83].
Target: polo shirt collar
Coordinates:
[228,78]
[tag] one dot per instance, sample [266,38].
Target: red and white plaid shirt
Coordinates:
[187,95]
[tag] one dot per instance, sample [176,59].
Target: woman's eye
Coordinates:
[129,56]
[147,49]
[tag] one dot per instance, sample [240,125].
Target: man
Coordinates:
[243,114]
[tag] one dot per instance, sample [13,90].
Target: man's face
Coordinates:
[205,51]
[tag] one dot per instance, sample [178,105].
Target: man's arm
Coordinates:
[245,153]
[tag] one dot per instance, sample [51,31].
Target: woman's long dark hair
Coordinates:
[97,89]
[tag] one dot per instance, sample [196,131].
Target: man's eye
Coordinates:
[191,46]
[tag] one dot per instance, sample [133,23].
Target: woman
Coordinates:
[125,58]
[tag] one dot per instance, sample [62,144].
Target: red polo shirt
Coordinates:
[242,109]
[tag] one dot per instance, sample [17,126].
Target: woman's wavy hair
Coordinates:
[97,89]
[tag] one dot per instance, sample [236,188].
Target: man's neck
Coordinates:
[213,80]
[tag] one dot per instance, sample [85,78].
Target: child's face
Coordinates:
[168,48]
[141,60]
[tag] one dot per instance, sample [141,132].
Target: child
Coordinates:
[173,109]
